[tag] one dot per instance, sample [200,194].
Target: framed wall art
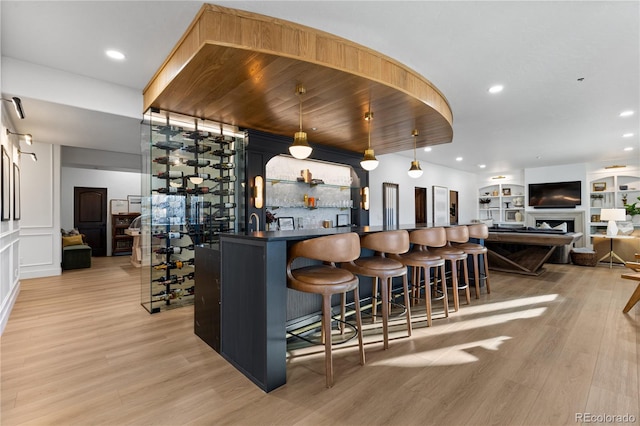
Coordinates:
[6,171]
[16,192]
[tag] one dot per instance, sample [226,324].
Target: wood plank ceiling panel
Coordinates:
[255,87]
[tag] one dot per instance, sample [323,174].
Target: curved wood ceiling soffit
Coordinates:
[242,68]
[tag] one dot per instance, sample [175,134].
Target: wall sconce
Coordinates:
[258,190]
[32,154]
[364,194]
[17,104]
[27,136]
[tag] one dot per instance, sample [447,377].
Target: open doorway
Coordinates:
[420,205]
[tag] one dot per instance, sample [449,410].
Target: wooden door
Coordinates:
[453,207]
[421,205]
[90,217]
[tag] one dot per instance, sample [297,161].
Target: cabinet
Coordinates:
[193,184]
[502,203]
[611,191]
[121,243]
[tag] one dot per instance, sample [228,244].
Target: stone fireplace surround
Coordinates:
[577,216]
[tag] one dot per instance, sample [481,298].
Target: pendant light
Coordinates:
[300,148]
[415,171]
[369,161]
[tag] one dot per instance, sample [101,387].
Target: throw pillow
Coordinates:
[562,227]
[72,240]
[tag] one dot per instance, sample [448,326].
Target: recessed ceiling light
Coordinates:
[115,54]
[427,149]
[627,135]
[482,166]
[458,158]
[496,89]
[626,113]
[629,148]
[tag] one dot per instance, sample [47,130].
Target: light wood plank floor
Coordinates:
[79,349]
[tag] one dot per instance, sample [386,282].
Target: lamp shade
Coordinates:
[612,214]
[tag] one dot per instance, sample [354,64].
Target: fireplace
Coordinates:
[575,223]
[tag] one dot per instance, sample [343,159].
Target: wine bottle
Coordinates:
[197,134]
[198,190]
[167,160]
[170,145]
[204,176]
[200,149]
[224,192]
[166,280]
[173,235]
[224,152]
[224,140]
[170,190]
[224,205]
[225,179]
[172,174]
[169,130]
[227,218]
[200,204]
[223,166]
[173,249]
[198,163]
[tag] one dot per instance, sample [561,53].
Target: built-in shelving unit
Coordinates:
[502,203]
[610,190]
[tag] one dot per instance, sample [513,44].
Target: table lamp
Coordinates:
[612,215]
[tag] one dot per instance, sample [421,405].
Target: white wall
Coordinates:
[118,184]
[40,248]
[393,168]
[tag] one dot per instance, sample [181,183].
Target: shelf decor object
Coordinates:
[612,215]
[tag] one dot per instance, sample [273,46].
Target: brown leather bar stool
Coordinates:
[385,269]
[479,231]
[456,257]
[326,279]
[420,259]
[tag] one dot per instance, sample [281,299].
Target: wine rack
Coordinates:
[193,184]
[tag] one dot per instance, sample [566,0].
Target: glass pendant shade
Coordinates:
[300,148]
[369,161]
[415,171]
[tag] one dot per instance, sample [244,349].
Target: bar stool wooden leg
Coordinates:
[326,327]
[454,285]
[465,270]
[405,284]
[486,273]
[445,296]
[476,275]
[356,301]
[427,293]
[374,300]
[384,291]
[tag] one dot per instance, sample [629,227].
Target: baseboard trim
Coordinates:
[8,307]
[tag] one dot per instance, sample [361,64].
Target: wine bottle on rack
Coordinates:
[174,161]
[169,130]
[223,166]
[198,163]
[198,190]
[224,205]
[189,276]
[166,280]
[170,190]
[173,235]
[173,249]
[224,152]
[225,179]
[171,174]
[201,204]
[170,145]
[203,176]
[224,192]
[224,140]
[197,134]
[200,149]
[227,218]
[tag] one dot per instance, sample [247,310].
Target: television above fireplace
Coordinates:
[555,195]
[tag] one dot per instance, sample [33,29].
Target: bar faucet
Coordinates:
[257,220]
